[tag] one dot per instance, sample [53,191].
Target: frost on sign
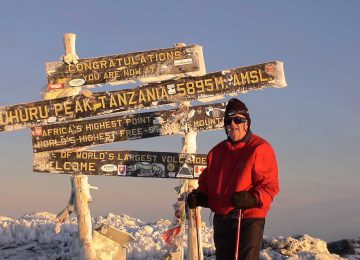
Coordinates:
[226,82]
[121,163]
[146,66]
[127,127]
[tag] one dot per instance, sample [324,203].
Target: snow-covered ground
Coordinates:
[32,237]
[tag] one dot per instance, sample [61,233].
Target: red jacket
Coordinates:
[249,166]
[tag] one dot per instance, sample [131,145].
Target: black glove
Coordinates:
[243,200]
[196,198]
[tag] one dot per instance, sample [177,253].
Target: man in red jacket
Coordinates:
[241,173]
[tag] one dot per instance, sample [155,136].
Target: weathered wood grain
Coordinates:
[232,81]
[129,127]
[121,163]
[146,66]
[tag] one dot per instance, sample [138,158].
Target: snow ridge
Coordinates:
[32,237]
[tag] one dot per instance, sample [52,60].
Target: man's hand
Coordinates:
[191,200]
[243,200]
[196,198]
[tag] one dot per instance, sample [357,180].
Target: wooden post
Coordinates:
[195,251]
[79,182]
[70,51]
[69,45]
[82,198]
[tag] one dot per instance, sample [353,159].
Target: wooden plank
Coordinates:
[116,235]
[129,127]
[147,66]
[106,248]
[232,81]
[121,163]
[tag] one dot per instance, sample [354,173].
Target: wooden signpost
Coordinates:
[232,81]
[80,188]
[146,66]
[128,127]
[121,163]
[178,76]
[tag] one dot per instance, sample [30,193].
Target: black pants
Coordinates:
[251,235]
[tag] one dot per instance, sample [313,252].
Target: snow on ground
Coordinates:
[32,237]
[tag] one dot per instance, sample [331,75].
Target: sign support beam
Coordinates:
[78,182]
[82,198]
[193,216]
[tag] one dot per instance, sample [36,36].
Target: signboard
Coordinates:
[128,127]
[232,81]
[121,163]
[147,66]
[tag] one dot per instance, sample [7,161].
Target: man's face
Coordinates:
[236,129]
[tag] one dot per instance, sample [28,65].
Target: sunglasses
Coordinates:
[237,120]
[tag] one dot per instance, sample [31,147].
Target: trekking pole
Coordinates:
[197,234]
[238,230]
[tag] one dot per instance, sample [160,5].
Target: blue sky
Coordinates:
[312,124]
